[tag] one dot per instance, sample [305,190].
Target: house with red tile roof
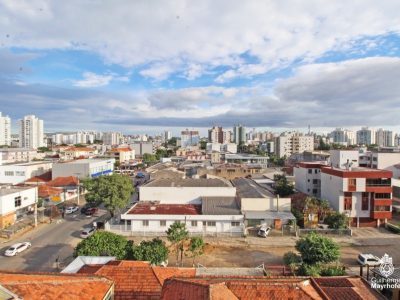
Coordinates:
[35,286]
[78,152]
[140,280]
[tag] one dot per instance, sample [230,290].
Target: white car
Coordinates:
[17,248]
[87,232]
[368,259]
[71,209]
[264,231]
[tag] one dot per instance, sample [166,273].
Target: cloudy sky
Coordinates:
[144,66]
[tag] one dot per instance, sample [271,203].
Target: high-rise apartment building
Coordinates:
[31,132]
[239,134]
[384,138]
[112,138]
[5,130]
[189,138]
[343,137]
[289,143]
[366,136]
[215,135]
[167,135]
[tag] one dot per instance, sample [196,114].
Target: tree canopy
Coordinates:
[337,220]
[315,249]
[177,234]
[113,191]
[153,251]
[104,243]
[282,187]
[196,247]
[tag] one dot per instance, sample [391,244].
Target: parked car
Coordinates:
[17,248]
[91,211]
[140,175]
[264,231]
[368,259]
[86,207]
[71,209]
[85,233]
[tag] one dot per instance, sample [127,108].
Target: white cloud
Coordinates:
[196,33]
[96,80]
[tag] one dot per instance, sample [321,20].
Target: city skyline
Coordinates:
[198,64]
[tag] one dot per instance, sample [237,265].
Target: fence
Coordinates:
[346,231]
[126,230]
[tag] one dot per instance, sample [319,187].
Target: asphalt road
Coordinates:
[49,242]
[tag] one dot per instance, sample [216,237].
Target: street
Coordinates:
[49,242]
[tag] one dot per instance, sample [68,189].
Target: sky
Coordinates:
[147,66]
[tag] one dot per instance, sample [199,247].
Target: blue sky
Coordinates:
[144,66]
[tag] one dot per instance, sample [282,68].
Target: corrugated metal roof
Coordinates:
[220,206]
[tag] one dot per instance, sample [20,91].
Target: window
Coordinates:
[314,191]
[309,171]
[352,182]
[364,201]
[211,223]
[193,223]
[382,196]
[316,171]
[308,180]
[235,224]
[163,223]
[17,201]
[19,173]
[145,223]
[8,173]
[382,208]
[315,181]
[204,223]
[348,201]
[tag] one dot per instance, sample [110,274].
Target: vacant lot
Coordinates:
[254,252]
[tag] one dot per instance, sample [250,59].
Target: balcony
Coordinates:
[382,202]
[378,189]
[381,214]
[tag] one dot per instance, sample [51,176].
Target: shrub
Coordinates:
[309,270]
[335,270]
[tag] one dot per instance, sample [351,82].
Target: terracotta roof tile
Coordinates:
[46,177]
[80,149]
[164,273]
[64,181]
[120,150]
[56,286]
[46,191]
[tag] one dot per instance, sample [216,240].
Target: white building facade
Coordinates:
[19,172]
[31,132]
[5,130]
[84,168]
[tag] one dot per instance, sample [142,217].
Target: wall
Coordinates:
[223,223]
[23,172]
[28,197]
[339,158]
[183,195]
[331,187]
[265,204]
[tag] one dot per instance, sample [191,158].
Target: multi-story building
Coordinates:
[78,152]
[31,132]
[366,136]
[141,148]
[13,155]
[111,138]
[289,143]
[189,138]
[84,168]
[364,194]
[167,135]
[15,202]
[382,160]
[397,140]
[5,130]
[216,135]
[343,137]
[239,134]
[122,154]
[20,172]
[384,138]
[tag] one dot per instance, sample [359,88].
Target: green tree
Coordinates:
[43,149]
[104,243]
[309,270]
[196,247]
[282,187]
[148,158]
[177,234]
[315,249]
[153,251]
[292,260]
[336,220]
[99,142]
[113,191]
